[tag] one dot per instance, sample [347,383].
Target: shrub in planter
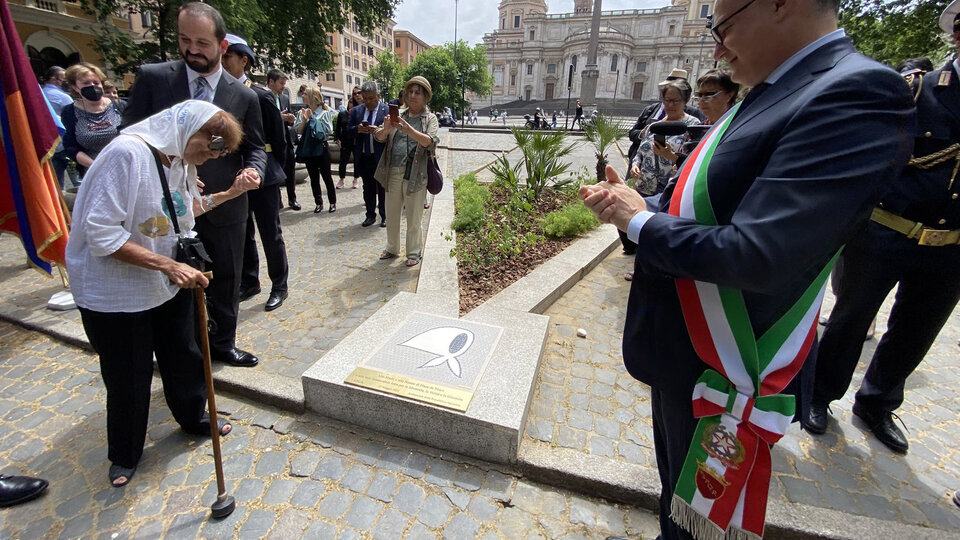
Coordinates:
[572,220]
[469,203]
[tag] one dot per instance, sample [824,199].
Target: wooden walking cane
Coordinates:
[224,505]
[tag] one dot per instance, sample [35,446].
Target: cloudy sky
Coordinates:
[477,17]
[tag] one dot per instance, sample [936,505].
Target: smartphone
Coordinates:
[394,113]
[660,139]
[365,124]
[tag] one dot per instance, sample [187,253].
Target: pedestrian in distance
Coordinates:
[135,299]
[344,139]
[741,242]
[277,83]
[911,242]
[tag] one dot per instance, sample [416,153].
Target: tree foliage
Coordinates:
[289,34]
[438,66]
[388,73]
[891,31]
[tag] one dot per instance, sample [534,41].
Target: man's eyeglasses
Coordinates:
[706,97]
[715,27]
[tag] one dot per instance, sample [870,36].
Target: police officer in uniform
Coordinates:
[912,239]
[264,202]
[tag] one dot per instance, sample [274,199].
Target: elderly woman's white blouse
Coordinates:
[121,200]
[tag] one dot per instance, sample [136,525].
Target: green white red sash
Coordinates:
[722,491]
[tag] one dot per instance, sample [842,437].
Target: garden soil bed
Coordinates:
[477,288]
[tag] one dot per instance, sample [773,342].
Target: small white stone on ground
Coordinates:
[581,332]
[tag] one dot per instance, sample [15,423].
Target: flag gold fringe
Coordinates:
[700,526]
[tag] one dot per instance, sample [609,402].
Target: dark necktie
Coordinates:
[201,89]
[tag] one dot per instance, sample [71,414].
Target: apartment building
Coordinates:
[407,46]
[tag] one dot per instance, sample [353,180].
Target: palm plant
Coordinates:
[543,153]
[602,132]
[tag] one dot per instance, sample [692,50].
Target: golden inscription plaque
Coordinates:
[440,395]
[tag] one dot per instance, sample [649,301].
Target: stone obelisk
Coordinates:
[591,72]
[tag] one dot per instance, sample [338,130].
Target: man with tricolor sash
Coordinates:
[733,257]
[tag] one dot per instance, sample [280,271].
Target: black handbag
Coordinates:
[190,251]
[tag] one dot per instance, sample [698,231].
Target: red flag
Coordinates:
[30,202]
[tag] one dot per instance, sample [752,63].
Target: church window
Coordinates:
[551,69]
[613,63]
[513,79]
[503,23]
[704,11]
[673,30]
[641,67]
[516,21]
[573,61]
[529,69]
[531,35]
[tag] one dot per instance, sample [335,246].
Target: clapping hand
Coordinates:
[612,200]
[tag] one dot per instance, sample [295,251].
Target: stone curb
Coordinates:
[640,486]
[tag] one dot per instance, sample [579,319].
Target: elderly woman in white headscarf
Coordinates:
[134,298]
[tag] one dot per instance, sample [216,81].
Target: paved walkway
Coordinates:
[292,476]
[586,401]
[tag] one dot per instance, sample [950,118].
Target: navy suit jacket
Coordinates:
[274,134]
[357,114]
[794,176]
[160,86]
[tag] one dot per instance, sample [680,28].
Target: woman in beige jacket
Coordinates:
[402,170]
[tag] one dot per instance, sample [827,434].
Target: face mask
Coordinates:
[91,93]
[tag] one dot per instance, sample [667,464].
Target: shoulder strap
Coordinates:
[166,188]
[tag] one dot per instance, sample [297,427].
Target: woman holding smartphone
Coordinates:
[411,138]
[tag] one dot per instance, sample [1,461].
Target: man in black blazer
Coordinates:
[265,201]
[367,150]
[200,76]
[276,81]
[794,175]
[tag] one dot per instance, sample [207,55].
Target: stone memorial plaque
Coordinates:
[433,359]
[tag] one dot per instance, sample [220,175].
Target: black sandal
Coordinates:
[224,427]
[117,472]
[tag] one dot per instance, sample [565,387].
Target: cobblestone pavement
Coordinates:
[292,476]
[585,400]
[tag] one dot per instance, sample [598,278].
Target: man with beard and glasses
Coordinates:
[733,256]
[201,37]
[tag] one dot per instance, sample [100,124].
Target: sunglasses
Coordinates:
[217,144]
[705,97]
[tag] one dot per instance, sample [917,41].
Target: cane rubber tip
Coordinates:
[223,508]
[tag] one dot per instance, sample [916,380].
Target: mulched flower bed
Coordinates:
[477,287]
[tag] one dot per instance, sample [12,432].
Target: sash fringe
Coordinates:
[695,523]
[700,526]
[736,533]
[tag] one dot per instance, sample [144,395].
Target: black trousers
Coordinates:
[374,196]
[290,170]
[126,344]
[317,167]
[673,428]
[265,209]
[224,244]
[346,155]
[929,288]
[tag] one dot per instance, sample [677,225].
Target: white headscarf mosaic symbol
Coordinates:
[447,342]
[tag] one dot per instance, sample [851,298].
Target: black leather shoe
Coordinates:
[247,293]
[815,421]
[295,205]
[956,498]
[383,223]
[882,426]
[19,489]
[276,300]
[368,222]
[235,357]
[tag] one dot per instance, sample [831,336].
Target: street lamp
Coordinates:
[566,115]
[703,37]
[615,86]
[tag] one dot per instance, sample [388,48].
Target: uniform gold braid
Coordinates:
[932,160]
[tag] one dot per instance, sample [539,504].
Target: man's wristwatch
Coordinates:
[208,202]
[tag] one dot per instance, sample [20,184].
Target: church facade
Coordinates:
[531,53]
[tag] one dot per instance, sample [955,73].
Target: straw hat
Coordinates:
[423,82]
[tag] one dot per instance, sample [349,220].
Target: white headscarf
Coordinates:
[168,131]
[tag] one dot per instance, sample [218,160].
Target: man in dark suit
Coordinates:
[277,82]
[363,122]
[913,240]
[265,201]
[200,76]
[795,173]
